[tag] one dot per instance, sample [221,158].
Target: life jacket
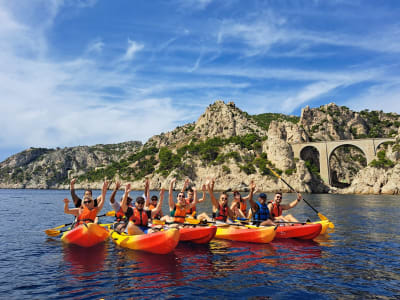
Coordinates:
[86,216]
[139,218]
[222,213]
[120,215]
[189,211]
[158,215]
[243,206]
[262,213]
[276,210]
[180,214]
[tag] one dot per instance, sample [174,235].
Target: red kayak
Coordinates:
[85,235]
[198,235]
[299,231]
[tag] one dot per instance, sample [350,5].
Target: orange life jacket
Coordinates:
[189,211]
[120,215]
[243,206]
[180,214]
[276,210]
[158,215]
[222,213]
[87,216]
[139,217]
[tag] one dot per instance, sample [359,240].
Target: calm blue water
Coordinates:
[360,260]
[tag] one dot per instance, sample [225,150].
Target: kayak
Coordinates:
[198,235]
[161,242]
[300,231]
[243,234]
[85,235]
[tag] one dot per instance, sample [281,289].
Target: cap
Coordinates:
[262,195]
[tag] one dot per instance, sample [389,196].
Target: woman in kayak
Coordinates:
[87,213]
[221,210]
[139,215]
[276,208]
[119,214]
[178,210]
[151,203]
[239,205]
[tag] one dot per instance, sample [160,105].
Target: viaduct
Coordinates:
[326,148]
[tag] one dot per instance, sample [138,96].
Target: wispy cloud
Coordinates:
[194,4]
[133,48]
[95,46]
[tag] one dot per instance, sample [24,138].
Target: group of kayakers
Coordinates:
[133,218]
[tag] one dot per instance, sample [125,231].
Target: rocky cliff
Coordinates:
[230,145]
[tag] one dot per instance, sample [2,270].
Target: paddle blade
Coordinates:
[110,213]
[192,221]
[52,232]
[331,225]
[158,222]
[322,217]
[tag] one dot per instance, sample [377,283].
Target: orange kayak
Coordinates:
[161,242]
[85,235]
[242,234]
[198,235]
[300,231]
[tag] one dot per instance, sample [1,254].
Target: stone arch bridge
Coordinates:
[326,148]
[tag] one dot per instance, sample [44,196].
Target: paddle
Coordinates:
[55,232]
[321,216]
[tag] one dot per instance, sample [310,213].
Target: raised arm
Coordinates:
[253,205]
[204,194]
[124,202]
[185,185]
[74,211]
[292,204]
[147,192]
[210,187]
[116,188]
[157,209]
[100,203]
[170,195]
[75,198]
[193,204]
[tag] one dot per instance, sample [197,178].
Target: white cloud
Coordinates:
[95,46]
[194,4]
[133,48]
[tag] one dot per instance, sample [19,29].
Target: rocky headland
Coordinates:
[231,146]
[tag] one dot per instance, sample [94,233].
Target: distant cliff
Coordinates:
[228,144]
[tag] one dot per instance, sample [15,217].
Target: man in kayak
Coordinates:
[276,208]
[178,210]
[76,199]
[259,209]
[119,214]
[221,210]
[192,211]
[87,213]
[139,215]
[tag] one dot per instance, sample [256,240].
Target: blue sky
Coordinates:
[83,72]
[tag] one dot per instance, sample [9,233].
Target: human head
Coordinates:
[154,199]
[139,203]
[88,193]
[181,198]
[278,197]
[262,198]
[223,198]
[237,195]
[88,202]
[190,193]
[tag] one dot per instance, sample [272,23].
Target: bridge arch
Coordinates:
[325,149]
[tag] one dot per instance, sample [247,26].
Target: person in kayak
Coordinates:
[221,210]
[276,208]
[139,215]
[239,205]
[192,211]
[87,213]
[119,214]
[178,210]
[151,203]
[259,209]
[76,199]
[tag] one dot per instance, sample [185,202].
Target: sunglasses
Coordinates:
[224,198]
[153,199]
[140,202]
[87,202]
[278,197]
[181,196]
